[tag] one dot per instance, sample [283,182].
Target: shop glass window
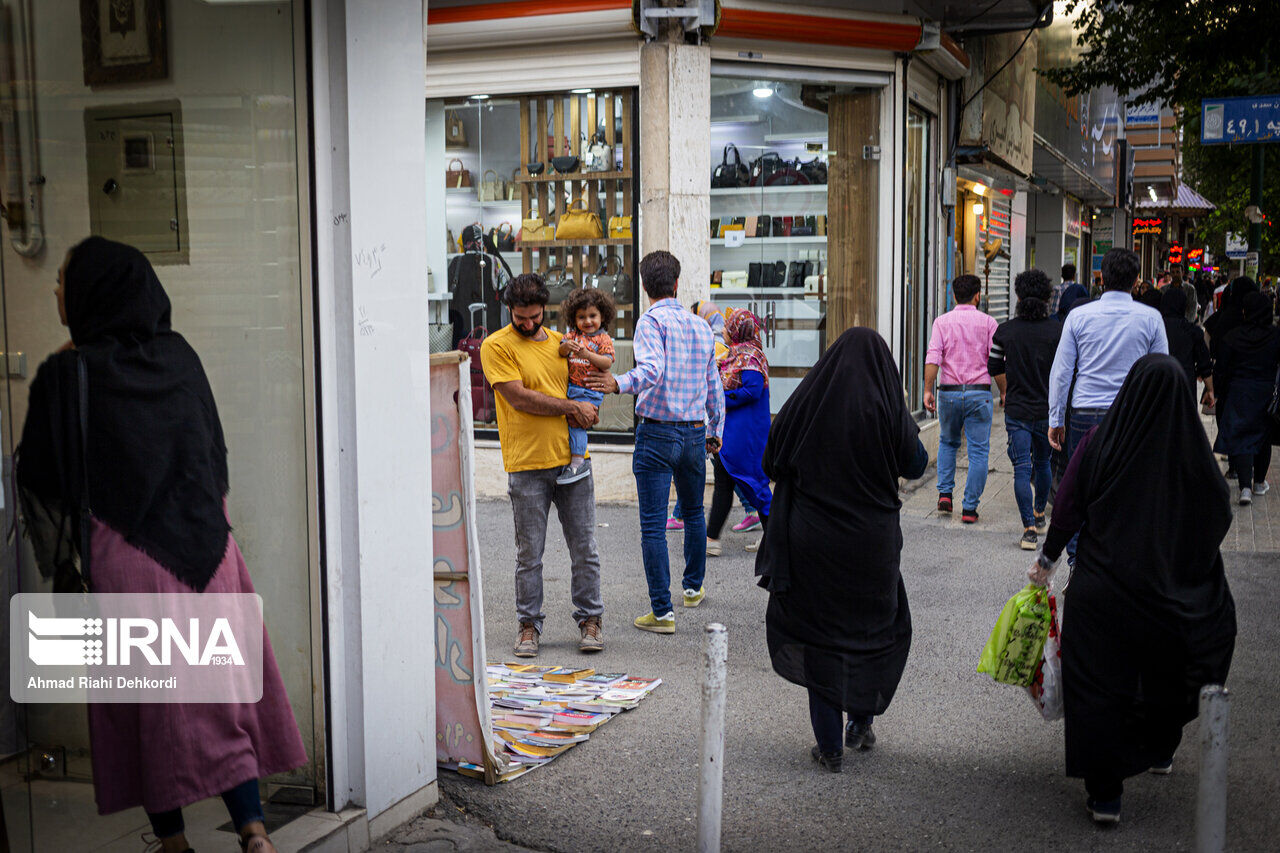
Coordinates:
[542,183]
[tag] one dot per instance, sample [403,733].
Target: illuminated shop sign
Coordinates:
[1148,226]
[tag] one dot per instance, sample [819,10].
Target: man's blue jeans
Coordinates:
[969,411]
[1029,453]
[1079,421]
[665,452]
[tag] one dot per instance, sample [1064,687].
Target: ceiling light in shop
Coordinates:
[980,189]
[1151,191]
[762,92]
[581,91]
[978,209]
[479,98]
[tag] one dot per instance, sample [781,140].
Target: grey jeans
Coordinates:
[532,493]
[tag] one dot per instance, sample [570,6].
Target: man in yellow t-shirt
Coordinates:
[523,364]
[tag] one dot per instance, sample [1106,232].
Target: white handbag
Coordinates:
[492,190]
[733,278]
[599,156]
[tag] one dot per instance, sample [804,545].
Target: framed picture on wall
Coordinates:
[123,41]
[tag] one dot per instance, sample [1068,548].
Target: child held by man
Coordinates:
[588,314]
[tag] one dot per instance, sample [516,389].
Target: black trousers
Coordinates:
[1251,469]
[828,723]
[722,499]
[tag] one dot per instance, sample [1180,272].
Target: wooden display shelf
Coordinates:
[573,176]
[571,244]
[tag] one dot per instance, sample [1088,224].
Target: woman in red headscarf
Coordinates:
[745,374]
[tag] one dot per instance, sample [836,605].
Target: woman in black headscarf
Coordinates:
[1186,341]
[1248,361]
[122,476]
[1149,618]
[838,621]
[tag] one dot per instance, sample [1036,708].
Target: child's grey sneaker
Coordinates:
[569,474]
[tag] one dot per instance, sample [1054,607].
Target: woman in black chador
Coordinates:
[838,621]
[1148,618]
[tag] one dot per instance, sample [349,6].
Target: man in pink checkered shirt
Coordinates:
[958,348]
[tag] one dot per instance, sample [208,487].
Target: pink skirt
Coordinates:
[165,756]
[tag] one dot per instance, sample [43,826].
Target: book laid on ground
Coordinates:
[604,679]
[567,675]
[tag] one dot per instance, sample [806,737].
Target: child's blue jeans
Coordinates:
[578,437]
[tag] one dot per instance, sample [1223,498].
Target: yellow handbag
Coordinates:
[620,227]
[535,229]
[579,223]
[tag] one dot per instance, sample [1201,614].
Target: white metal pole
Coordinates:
[711,740]
[1211,801]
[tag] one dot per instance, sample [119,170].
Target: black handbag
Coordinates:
[730,175]
[815,170]
[534,168]
[797,271]
[564,165]
[808,229]
[764,166]
[770,275]
[755,271]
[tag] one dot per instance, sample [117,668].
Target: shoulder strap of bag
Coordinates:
[82,377]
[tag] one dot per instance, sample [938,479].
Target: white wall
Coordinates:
[374,359]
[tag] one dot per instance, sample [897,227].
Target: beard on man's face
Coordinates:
[528,333]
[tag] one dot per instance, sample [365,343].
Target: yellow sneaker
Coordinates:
[692,598]
[656,624]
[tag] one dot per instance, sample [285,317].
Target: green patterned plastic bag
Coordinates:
[1016,644]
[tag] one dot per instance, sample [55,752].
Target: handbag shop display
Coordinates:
[551,181]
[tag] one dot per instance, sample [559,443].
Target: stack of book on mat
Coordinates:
[538,712]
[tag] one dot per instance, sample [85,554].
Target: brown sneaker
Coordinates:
[527,641]
[592,635]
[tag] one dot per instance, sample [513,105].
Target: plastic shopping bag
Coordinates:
[1046,689]
[1015,648]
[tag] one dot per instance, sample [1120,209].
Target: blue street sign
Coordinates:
[1251,119]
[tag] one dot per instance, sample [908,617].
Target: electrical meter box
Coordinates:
[137,180]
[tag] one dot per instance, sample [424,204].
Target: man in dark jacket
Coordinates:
[1021,355]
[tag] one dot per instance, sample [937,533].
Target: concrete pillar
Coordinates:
[1051,233]
[675,158]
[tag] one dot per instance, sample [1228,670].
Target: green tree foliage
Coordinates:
[1179,51]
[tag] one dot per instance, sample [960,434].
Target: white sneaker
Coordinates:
[713,547]
[753,546]
[1246,497]
[1262,488]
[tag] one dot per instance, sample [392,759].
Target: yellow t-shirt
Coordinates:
[529,442]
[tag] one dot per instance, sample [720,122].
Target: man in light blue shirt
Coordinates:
[1100,341]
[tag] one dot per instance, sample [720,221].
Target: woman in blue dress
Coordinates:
[745,374]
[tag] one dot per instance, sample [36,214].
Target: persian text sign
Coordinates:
[1249,119]
[138,647]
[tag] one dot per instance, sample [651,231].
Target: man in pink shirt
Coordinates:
[958,347]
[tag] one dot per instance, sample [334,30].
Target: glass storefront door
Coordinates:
[186,145]
[917,284]
[773,238]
